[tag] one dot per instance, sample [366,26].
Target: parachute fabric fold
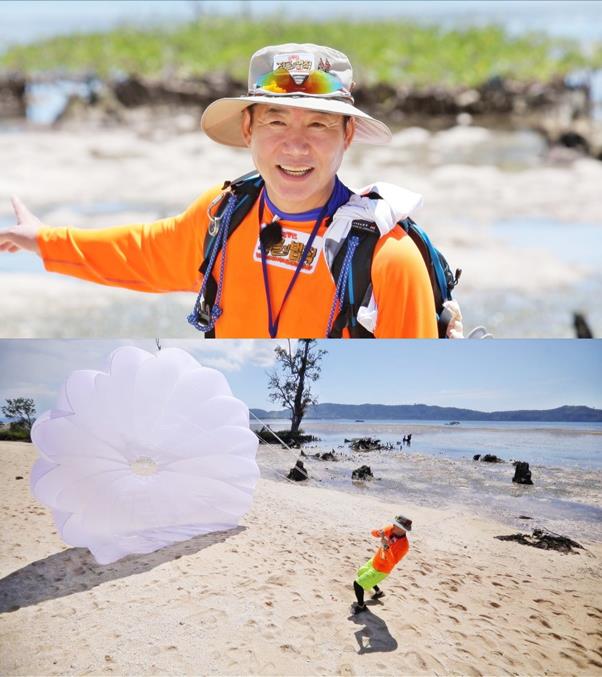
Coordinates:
[153,451]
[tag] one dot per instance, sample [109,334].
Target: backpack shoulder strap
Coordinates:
[247,189]
[359,288]
[359,285]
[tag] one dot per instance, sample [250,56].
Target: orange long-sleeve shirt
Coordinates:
[386,558]
[164,256]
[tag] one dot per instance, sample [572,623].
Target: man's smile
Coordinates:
[294,171]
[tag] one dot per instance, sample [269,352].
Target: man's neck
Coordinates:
[295,208]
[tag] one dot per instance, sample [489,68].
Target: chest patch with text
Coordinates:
[288,252]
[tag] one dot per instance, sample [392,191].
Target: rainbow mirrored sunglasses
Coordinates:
[281,81]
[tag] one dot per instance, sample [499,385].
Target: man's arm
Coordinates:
[154,257]
[402,289]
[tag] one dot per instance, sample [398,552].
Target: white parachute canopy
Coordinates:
[154,451]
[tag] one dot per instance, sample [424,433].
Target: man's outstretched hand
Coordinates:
[23,234]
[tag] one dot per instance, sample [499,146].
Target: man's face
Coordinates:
[297,152]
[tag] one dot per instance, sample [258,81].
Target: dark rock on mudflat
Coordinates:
[326,456]
[522,474]
[491,458]
[12,96]
[298,473]
[544,540]
[19,477]
[476,457]
[362,473]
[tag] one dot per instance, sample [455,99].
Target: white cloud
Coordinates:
[230,354]
[36,368]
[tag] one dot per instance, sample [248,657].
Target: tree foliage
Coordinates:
[290,382]
[22,409]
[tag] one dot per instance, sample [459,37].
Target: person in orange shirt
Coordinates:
[394,547]
[271,275]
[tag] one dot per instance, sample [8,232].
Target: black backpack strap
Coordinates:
[246,189]
[359,291]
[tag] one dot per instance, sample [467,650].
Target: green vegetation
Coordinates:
[14,434]
[396,52]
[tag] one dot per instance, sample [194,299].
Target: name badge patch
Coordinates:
[287,253]
[301,63]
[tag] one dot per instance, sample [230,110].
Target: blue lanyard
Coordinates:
[273,323]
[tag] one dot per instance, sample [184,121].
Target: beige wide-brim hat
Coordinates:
[222,119]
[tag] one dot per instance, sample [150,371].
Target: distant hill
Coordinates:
[425,412]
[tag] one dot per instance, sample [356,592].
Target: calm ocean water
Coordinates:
[437,469]
[564,445]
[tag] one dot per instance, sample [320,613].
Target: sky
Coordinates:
[28,20]
[487,375]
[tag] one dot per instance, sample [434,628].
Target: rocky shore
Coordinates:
[560,110]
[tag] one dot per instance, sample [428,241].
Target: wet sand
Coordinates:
[272,596]
[102,177]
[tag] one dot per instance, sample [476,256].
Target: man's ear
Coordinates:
[349,131]
[246,125]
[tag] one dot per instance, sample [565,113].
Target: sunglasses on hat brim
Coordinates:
[281,81]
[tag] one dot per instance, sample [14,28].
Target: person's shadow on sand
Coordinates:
[75,570]
[374,637]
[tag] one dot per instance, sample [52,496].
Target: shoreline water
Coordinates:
[565,462]
[570,445]
[566,502]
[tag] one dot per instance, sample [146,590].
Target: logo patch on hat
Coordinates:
[324,65]
[299,65]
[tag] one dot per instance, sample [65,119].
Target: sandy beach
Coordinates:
[272,597]
[523,224]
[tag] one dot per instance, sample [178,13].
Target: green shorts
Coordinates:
[368,576]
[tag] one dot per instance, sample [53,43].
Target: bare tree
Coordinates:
[21,408]
[290,382]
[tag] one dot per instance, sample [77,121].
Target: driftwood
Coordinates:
[544,539]
[368,444]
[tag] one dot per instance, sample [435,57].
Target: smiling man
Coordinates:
[289,251]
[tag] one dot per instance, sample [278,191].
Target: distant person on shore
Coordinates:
[394,547]
[288,250]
